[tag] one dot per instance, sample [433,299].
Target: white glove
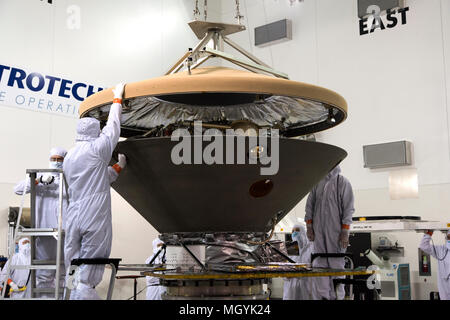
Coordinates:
[14,286]
[310,232]
[122,160]
[343,238]
[47,178]
[118,91]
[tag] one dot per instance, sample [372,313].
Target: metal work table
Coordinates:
[395,225]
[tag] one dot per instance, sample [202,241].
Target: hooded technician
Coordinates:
[329,211]
[154,290]
[442,254]
[88,219]
[47,211]
[299,288]
[19,279]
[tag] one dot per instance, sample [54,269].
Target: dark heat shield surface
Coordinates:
[217,198]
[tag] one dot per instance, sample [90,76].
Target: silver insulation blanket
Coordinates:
[150,112]
[227,252]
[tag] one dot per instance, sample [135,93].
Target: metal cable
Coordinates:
[435,253]
[196,10]
[238,13]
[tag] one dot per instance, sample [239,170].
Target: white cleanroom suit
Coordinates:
[154,290]
[18,278]
[442,255]
[329,210]
[88,219]
[299,288]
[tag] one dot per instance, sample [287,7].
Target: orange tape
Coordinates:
[117,168]
[117,100]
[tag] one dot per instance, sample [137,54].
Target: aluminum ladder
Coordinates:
[33,232]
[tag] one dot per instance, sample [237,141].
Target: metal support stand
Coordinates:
[12,220]
[134,277]
[361,284]
[114,263]
[33,232]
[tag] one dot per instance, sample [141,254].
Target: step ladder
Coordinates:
[33,232]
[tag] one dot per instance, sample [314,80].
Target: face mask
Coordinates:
[25,248]
[294,235]
[55,165]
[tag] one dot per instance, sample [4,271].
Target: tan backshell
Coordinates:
[217,79]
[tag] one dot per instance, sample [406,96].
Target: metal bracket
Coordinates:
[246,64]
[157,254]
[192,255]
[206,31]
[33,232]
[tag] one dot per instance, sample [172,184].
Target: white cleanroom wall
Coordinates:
[397,86]
[115,41]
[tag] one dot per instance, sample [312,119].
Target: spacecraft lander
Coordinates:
[217,219]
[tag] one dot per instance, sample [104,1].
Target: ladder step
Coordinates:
[47,290]
[43,170]
[41,262]
[38,230]
[37,234]
[34,267]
